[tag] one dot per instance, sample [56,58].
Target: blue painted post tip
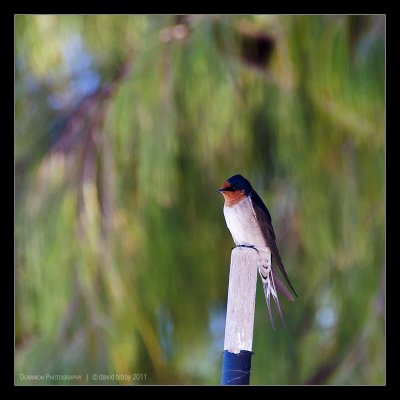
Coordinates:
[236,368]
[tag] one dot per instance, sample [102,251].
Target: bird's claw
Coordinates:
[247,246]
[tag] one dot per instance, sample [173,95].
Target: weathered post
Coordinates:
[236,363]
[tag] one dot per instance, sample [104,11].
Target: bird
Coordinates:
[250,225]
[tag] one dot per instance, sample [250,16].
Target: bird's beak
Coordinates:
[224,187]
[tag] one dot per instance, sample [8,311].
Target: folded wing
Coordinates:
[264,218]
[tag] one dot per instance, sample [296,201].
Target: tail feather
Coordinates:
[279,262]
[281,287]
[268,281]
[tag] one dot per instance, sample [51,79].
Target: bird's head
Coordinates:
[235,189]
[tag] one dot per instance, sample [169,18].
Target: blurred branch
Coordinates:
[324,371]
[90,111]
[84,141]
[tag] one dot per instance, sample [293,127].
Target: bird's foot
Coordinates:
[247,246]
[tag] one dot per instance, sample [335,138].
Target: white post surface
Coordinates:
[241,300]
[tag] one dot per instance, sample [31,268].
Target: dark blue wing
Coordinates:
[264,218]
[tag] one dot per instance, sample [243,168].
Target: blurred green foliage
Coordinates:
[125,128]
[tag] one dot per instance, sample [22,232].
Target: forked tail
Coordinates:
[271,283]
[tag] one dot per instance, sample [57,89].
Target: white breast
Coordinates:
[243,225]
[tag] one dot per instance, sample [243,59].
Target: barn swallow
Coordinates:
[250,224]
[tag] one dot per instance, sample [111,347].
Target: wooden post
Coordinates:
[240,317]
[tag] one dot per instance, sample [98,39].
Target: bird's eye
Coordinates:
[233,187]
